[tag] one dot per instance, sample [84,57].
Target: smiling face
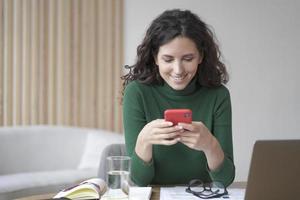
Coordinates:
[178,62]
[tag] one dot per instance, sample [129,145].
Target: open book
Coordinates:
[96,188]
[92,188]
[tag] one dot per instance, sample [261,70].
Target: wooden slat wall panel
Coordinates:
[1,60]
[61,62]
[7,64]
[118,44]
[26,58]
[100,62]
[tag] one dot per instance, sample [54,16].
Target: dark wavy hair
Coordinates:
[169,25]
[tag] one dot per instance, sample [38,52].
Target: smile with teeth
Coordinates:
[178,78]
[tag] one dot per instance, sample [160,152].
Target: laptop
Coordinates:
[274,171]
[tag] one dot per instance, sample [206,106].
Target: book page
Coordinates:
[89,189]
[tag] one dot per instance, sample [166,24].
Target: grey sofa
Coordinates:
[110,150]
[43,159]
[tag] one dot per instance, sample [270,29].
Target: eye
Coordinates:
[188,59]
[168,60]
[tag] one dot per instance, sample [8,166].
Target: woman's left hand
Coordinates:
[196,136]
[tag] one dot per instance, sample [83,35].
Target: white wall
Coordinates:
[261,46]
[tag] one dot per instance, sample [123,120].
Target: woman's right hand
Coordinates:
[159,132]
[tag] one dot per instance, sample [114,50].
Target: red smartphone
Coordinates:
[178,115]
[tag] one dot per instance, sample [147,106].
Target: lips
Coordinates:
[178,78]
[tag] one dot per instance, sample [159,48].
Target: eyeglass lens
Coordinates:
[206,190]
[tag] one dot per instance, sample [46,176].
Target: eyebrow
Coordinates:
[185,55]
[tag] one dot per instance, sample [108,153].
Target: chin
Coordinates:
[178,87]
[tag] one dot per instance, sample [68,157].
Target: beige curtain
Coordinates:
[61,62]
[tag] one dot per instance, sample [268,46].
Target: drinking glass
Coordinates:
[118,175]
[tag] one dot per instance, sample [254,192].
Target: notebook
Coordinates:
[274,171]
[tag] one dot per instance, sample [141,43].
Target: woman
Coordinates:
[178,66]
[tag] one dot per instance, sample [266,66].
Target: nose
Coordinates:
[178,68]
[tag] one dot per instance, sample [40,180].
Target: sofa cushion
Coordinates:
[95,143]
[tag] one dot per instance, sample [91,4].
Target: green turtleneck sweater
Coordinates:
[177,164]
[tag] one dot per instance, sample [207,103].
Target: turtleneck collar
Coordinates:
[190,89]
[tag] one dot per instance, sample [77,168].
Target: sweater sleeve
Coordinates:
[223,132]
[134,120]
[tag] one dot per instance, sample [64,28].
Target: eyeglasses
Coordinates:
[206,190]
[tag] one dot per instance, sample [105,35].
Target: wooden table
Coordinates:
[154,196]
